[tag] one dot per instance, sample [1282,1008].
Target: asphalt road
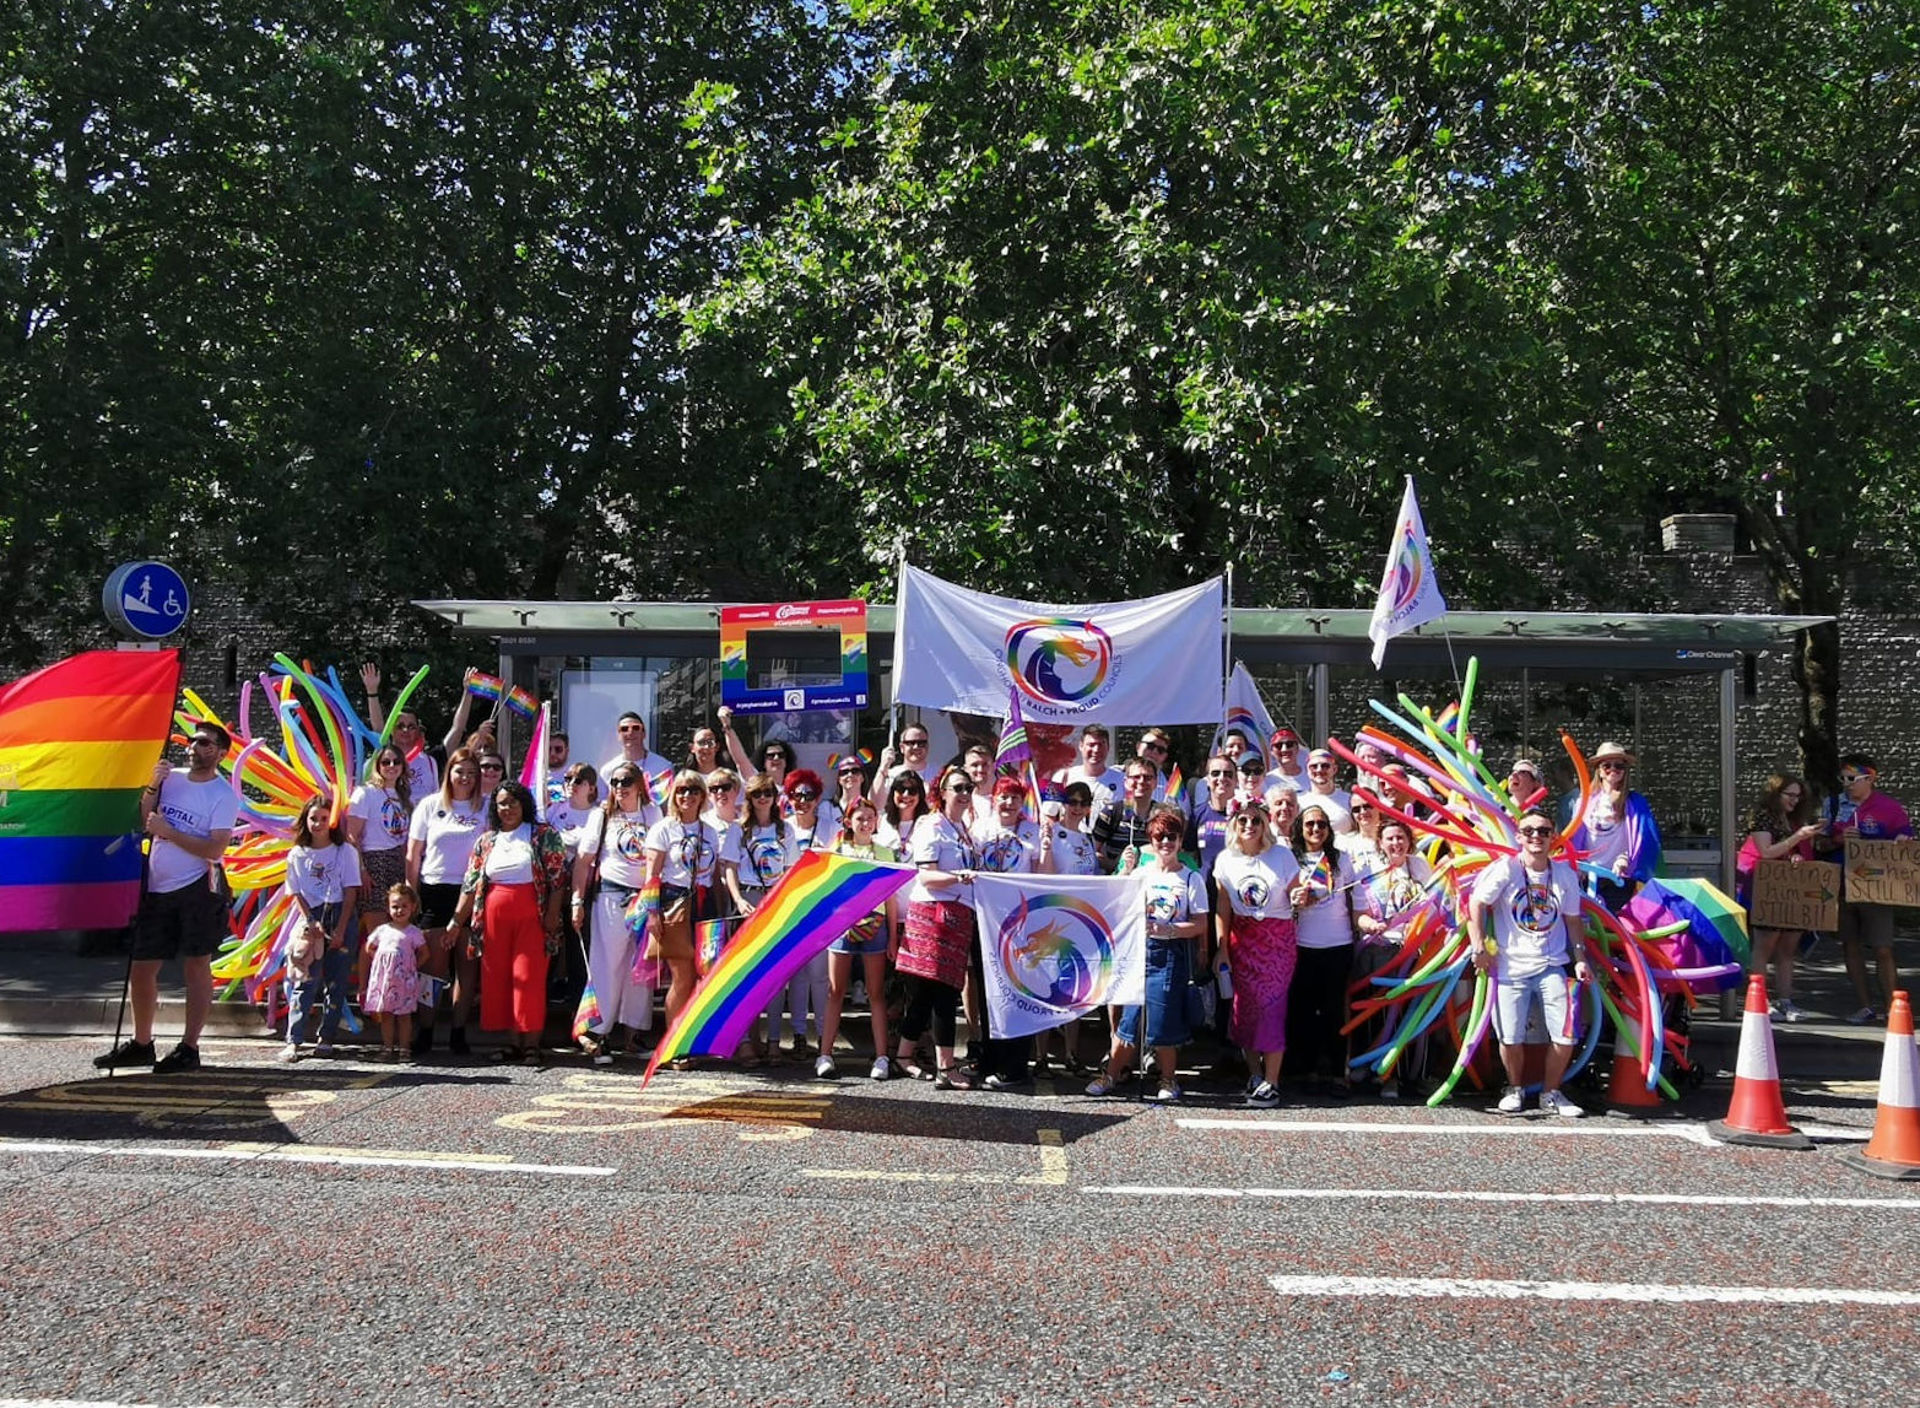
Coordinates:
[345,1233]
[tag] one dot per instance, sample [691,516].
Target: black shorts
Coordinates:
[437,903]
[186,923]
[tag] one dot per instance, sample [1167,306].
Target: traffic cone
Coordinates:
[1758,1114]
[1894,1150]
[1627,1088]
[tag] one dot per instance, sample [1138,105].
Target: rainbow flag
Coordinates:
[661,786]
[78,740]
[523,702]
[488,687]
[1176,792]
[814,903]
[587,1015]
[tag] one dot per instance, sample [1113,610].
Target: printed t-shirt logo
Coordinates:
[392,818]
[628,840]
[1535,907]
[1059,661]
[1252,892]
[1058,949]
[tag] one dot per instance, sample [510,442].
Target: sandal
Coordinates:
[952,1078]
[912,1070]
[508,1055]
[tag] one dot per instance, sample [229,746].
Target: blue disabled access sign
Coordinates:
[146,600]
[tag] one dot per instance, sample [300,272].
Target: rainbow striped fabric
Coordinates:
[814,903]
[78,740]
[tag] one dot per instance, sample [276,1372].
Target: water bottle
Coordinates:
[1223,979]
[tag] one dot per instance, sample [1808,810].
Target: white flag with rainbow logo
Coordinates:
[1057,947]
[1409,591]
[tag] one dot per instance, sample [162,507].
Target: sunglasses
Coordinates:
[631,728]
[391,763]
[721,787]
[1849,778]
[1219,772]
[1316,826]
[1248,820]
[1613,767]
[1361,810]
[493,767]
[1164,838]
[805,794]
[620,782]
[959,789]
[688,791]
[1152,747]
[1534,832]
[913,743]
[763,794]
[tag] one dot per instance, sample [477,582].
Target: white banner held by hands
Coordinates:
[1057,947]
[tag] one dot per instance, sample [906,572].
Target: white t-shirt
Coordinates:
[1106,785]
[1172,897]
[1009,850]
[1292,781]
[1259,885]
[1328,921]
[650,767]
[1073,851]
[623,859]
[691,850]
[886,834]
[1335,804]
[820,838]
[196,809]
[1606,830]
[1530,910]
[570,821]
[383,822]
[323,874]
[510,857]
[423,775]
[448,832]
[939,844]
[761,854]
[1384,893]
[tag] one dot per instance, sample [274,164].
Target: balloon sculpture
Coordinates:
[323,748]
[1466,820]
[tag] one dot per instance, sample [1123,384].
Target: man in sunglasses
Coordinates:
[1534,903]
[1286,771]
[1121,827]
[190,814]
[1864,811]
[634,752]
[914,755]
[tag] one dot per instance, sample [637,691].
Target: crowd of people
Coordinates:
[1270,888]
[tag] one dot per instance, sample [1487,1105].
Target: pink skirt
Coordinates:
[1261,953]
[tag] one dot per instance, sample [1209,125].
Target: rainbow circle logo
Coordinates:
[1058,661]
[1058,949]
[1409,572]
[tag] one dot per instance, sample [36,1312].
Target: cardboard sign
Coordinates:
[1795,897]
[794,657]
[1883,872]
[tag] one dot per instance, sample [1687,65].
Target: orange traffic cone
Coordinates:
[1894,1150]
[1758,1114]
[1626,1087]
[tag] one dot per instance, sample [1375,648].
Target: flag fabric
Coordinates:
[533,767]
[1247,712]
[709,942]
[815,902]
[1173,788]
[661,786]
[78,741]
[1057,947]
[587,1015]
[1014,758]
[1409,591]
[1156,660]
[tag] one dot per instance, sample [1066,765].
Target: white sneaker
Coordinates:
[824,1069]
[289,1054]
[1557,1102]
[1512,1101]
[1787,1012]
[882,1069]
[1263,1097]
[1166,1095]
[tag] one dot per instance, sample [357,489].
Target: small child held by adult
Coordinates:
[393,972]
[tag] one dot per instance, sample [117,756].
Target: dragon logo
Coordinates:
[1058,661]
[1058,950]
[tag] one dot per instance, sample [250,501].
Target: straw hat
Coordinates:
[1610,752]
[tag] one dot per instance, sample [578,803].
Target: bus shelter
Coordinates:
[1667,686]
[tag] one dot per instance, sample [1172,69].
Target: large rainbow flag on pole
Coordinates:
[813,904]
[78,740]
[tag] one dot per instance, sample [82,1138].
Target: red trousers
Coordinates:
[513,962]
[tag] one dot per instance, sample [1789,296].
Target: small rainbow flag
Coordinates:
[488,687]
[661,786]
[587,1015]
[709,942]
[1176,792]
[1321,876]
[523,702]
[78,740]
[813,904]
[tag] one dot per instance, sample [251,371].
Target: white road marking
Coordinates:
[1448,1287]
[1691,1130]
[296,1154]
[1469,1195]
[1053,1170]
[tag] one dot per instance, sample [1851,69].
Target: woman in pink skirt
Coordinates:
[1252,880]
